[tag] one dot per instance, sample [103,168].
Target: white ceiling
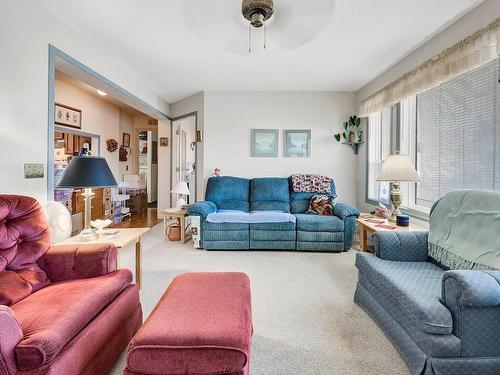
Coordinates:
[352,42]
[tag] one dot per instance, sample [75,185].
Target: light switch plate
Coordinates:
[34,170]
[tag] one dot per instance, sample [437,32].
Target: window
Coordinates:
[379,147]
[452,133]
[458,131]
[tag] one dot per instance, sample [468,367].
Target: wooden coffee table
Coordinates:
[125,237]
[368,227]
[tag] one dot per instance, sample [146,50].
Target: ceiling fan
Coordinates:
[228,24]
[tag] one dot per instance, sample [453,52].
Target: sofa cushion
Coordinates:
[229,193]
[269,193]
[322,204]
[416,286]
[52,316]
[317,223]
[299,202]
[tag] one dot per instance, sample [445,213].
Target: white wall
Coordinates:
[98,117]
[26,30]
[473,21]
[229,117]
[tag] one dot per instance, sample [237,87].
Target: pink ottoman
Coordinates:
[201,325]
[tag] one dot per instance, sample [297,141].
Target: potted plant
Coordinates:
[351,133]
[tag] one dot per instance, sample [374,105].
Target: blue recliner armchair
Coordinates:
[299,232]
[442,322]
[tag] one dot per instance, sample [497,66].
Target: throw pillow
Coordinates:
[322,204]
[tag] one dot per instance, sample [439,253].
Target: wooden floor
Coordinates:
[147,219]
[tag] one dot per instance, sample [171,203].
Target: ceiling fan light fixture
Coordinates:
[257,12]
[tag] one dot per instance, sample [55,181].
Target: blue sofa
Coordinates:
[304,232]
[442,322]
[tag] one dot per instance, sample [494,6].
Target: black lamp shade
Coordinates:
[87,172]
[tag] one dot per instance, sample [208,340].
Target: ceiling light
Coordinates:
[257,12]
[100,92]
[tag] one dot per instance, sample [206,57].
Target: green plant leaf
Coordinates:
[344,135]
[337,137]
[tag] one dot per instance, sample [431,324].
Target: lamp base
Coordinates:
[395,200]
[87,235]
[180,202]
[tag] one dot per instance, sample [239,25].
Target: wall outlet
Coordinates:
[34,170]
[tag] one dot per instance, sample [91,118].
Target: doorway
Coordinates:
[117,147]
[148,163]
[184,158]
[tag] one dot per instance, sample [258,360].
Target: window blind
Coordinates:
[458,135]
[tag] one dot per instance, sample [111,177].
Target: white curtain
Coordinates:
[475,50]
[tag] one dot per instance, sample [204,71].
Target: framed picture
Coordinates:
[163,141]
[68,116]
[264,143]
[126,140]
[297,143]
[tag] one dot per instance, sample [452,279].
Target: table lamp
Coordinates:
[87,172]
[180,188]
[396,169]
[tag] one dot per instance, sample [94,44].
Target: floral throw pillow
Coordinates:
[322,204]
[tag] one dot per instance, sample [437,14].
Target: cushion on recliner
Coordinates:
[229,193]
[416,286]
[269,193]
[24,238]
[51,317]
[299,202]
[317,223]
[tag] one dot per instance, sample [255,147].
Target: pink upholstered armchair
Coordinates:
[63,309]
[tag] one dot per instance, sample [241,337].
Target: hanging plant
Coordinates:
[351,133]
[111,145]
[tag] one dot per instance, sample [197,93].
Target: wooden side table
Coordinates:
[367,225]
[125,237]
[179,215]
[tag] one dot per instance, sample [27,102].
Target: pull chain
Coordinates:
[249,38]
[265,34]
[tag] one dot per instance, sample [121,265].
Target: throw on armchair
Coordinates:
[63,309]
[444,322]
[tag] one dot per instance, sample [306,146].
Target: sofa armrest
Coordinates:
[202,209]
[471,289]
[401,246]
[344,210]
[473,298]
[68,262]
[348,215]
[10,335]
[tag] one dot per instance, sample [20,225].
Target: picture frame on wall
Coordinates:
[68,116]
[163,141]
[297,143]
[264,143]
[126,140]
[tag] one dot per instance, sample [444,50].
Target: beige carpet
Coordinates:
[305,320]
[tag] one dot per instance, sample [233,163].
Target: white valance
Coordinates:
[475,50]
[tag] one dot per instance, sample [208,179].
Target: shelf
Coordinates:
[354,146]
